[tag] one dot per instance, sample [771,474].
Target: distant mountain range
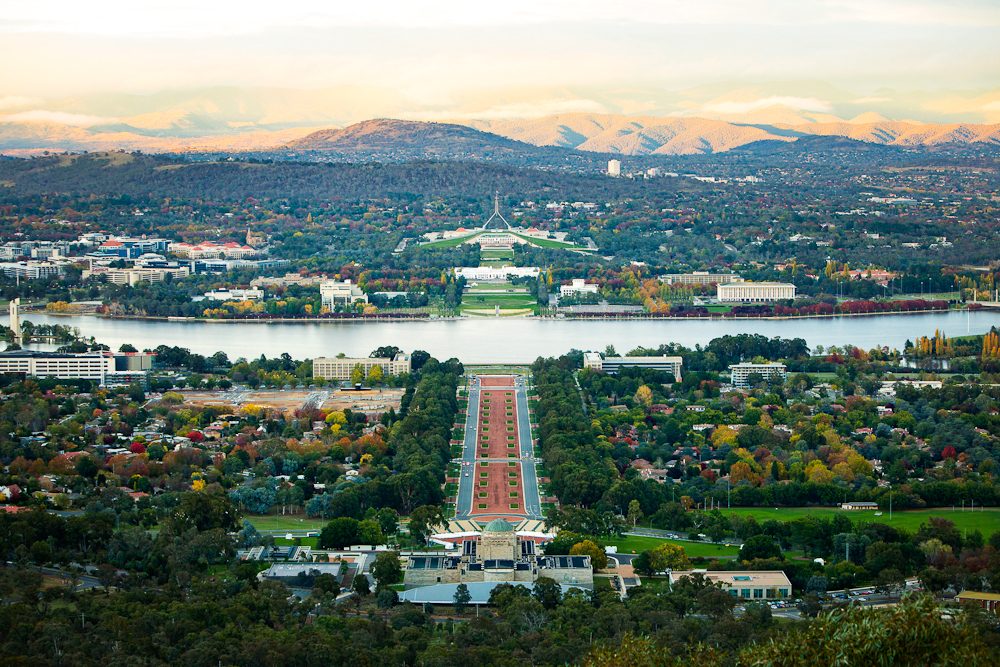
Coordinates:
[413,139]
[647,135]
[490,139]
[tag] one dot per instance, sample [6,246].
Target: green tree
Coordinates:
[376,375]
[598,559]
[760,546]
[462,598]
[361,585]
[339,533]
[357,374]
[386,569]
[634,512]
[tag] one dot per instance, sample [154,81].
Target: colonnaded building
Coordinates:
[755,292]
[497,554]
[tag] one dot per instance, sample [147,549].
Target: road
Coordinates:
[463,501]
[526,453]
[529,475]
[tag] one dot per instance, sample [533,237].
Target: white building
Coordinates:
[613,365]
[31,270]
[578,286]
[614,168]
[340,292]
[340,368]
[748,586]
[740,373]
[755,292]
[495,273]
[136,275]
[701,278]
[252,294]
[103,367]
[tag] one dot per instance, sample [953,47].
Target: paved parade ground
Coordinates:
[497,467]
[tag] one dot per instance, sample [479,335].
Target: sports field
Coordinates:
[986,521]
[637,544]
[286,523]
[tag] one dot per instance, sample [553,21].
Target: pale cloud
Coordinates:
[747,106]
[60,117]
[15,102]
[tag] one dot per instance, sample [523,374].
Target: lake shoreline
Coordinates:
[452,318]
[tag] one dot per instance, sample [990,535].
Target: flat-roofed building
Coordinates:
[748,585]
[495,273]
[252,294]
[497,554]
[578,286]
[755,292]
[740,373]
[340,293]
[341,368]
[136,275]
[988,601]
[106,368]
[855,505]
[701,278]
[612,365]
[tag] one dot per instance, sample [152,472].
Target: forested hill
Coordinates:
[140,175]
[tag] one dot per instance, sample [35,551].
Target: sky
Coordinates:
[185,65]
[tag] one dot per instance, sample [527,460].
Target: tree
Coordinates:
[375,375]
[386,569]
[668,556]
[326,583]
[357,374]
[547,591]
[385,352]
[462,598]
[388,520]
[634,512]
[598,559]
[361,585]
[386,598]
[422,519]
[760,546]
[339,533]
[370,532]
[644,396]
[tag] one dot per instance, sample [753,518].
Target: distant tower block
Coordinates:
[497,215]
[14,308]
[614,168]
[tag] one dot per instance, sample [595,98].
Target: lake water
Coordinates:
[508,340]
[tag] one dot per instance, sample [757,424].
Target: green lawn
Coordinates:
[303,542]
[987,522]
[290,523]
[637,544]
[546,243]
[448,243]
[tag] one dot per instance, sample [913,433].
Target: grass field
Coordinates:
[447,243]
[633,543]
[546,243]
[987,522]
[303,542]
[291,523]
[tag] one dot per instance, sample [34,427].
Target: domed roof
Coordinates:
[499,526]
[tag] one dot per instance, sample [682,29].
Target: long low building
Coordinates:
[613,365]
[106,368]
[701,278]
[739,374]
[746,585]
[495,273]
[341,368]
[755,292]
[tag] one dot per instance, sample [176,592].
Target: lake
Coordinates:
[508,340]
